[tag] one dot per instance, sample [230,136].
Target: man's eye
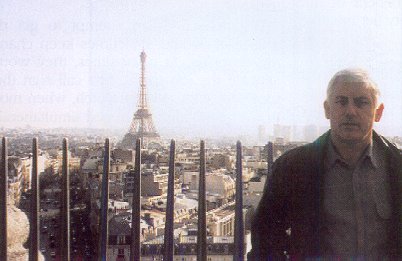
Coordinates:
[360,103]
[342,102]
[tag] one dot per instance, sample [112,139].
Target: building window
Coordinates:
[120,252]
[121,240]
[226,249]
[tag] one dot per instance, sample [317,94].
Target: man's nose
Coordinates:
[351,109]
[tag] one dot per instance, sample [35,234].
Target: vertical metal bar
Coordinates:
[270,155]
[202,218]
[135,248]
[169,237]
[239,223]
[34,222]
[104,204]
[3,199]
[65,206]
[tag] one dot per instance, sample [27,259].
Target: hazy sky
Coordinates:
[213,67]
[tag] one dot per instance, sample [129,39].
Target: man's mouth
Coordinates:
[350,124]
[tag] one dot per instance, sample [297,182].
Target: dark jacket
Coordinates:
[287,220]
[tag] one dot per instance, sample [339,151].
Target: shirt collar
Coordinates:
[333,156]
[373,154]
[370,154]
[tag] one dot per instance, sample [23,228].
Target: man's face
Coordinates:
[352,111]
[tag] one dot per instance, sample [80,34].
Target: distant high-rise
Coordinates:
[142,125]
[261,135]
[283,132]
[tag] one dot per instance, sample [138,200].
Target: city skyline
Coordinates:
[213,68]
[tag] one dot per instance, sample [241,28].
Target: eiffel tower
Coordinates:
[142,125]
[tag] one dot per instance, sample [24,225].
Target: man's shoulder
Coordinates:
[312,152]
[390,148]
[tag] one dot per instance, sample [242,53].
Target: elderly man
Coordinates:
[340,196]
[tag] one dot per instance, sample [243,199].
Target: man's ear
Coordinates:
[326,109]
[378,112]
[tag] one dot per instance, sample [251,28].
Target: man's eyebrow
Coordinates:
[341,97]
[361,98]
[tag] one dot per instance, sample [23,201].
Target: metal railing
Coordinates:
[135,247]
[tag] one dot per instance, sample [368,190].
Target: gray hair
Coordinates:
[354,76]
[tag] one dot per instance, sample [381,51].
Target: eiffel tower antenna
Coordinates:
[142,104]
[142,125]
